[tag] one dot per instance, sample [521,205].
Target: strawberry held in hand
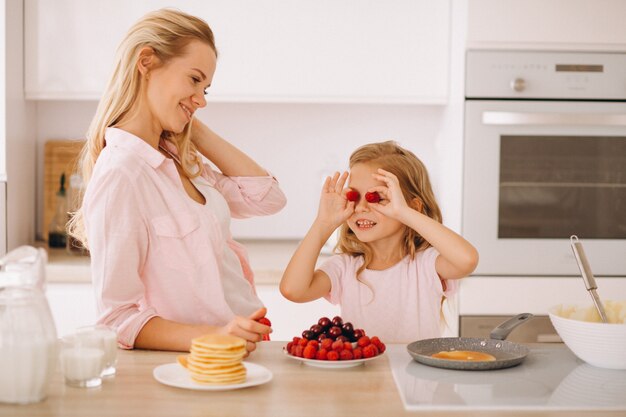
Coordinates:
[372,197]
[267,322]
[352,195]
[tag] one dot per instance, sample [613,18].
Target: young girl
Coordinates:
[155,217]
[398,263]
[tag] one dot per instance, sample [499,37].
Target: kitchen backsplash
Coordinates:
[300,144]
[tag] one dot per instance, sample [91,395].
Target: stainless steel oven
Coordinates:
[545,158]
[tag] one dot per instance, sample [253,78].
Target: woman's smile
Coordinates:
[187,112]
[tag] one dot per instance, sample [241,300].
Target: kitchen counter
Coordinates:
[295,390]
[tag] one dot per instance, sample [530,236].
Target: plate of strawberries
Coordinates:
[334,344]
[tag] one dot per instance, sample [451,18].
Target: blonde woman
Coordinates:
[398,264]
[155,218]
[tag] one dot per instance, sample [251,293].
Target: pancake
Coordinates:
[216,360]
[464,355]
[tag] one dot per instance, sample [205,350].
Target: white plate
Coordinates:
[174,375]
[332,364]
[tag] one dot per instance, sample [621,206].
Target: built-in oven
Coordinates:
[544,159]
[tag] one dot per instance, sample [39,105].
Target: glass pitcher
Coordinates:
[28,345]
[24,266]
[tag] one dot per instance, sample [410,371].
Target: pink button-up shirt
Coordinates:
[157,252]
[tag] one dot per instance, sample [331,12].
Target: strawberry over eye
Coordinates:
[352,195]
[372,197]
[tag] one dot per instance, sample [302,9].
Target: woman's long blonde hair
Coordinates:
[167,32]
[416,188]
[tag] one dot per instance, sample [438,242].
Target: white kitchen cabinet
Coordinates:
[547,24]
[352,51]
[289,319]
[72,306]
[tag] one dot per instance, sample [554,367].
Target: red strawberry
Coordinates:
[357,353]
[370,351]
[265,321]
[313,343]
[299,350]
[372,197]
[292,351]
[321,355]
[337,345]
[363,341]
[380,345]
[345,355]
[289,345]
[352,195]
[309,352]
[332,355]
[303,342]
[347,345]
[326,344]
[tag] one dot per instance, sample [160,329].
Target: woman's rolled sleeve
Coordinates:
[118,243]
[251,196]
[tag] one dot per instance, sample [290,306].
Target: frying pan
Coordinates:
[507,353]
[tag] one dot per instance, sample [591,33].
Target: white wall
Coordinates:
[2,93]
[19,128]
[301,143]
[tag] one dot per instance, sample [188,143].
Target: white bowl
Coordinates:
[599,344]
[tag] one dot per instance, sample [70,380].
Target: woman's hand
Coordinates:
[248,328]
[396,205]
[334,208]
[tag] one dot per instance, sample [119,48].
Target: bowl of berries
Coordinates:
[334,344]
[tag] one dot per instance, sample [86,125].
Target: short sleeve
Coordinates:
[335,267]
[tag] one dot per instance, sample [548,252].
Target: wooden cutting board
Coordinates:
[60,156]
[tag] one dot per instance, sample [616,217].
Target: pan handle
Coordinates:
[503,330]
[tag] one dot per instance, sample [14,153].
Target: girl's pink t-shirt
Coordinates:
[400,304]
[155,251]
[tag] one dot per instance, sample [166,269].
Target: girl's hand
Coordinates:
[334,208]
[395,205]
[248,328]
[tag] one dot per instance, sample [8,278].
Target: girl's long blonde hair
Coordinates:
[167,32]
[416,188]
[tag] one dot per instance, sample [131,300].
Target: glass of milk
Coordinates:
[105,338]
[81,362]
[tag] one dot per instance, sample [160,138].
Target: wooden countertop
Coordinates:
[295,390]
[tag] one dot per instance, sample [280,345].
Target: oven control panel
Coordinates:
[545,75]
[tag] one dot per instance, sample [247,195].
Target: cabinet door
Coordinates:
[290,319]
[547,24]
[270,51]
[72,306]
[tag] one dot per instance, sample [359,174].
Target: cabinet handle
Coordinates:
[555,119]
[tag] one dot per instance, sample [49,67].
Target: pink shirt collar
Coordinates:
[126,140]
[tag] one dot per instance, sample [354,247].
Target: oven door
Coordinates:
[536,172]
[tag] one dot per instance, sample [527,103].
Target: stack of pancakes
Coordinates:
[216,359]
